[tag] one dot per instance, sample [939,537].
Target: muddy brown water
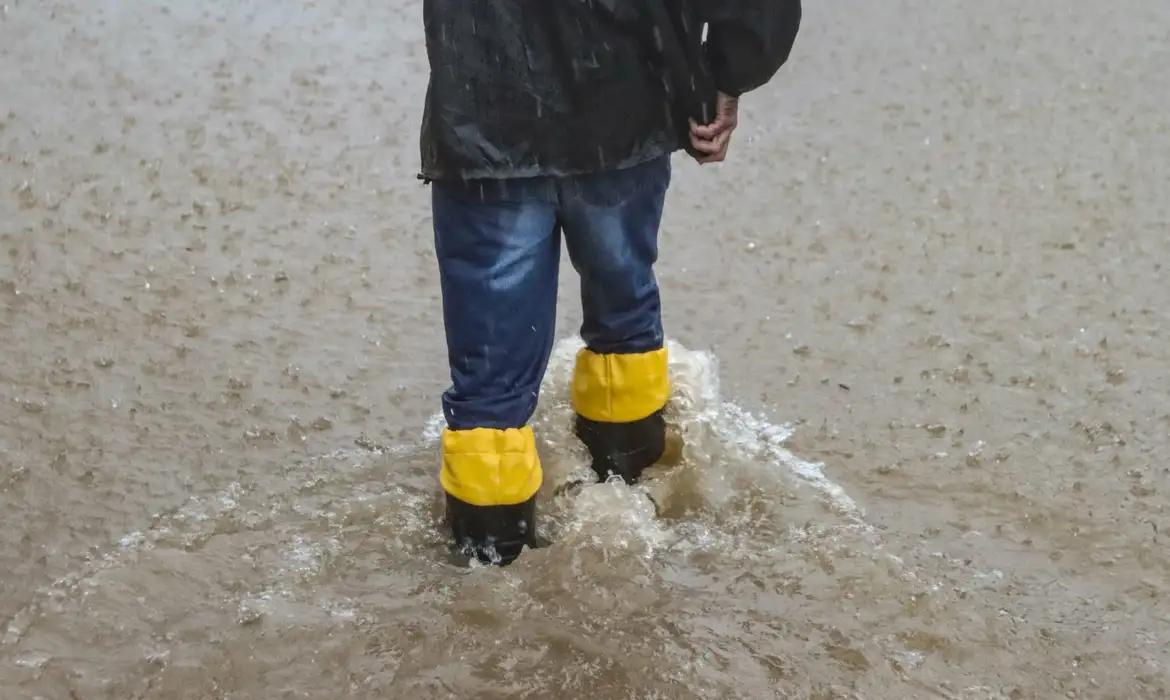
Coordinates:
[920,351]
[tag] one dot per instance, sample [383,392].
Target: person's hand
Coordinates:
[711,140]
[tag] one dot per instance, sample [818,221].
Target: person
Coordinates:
[557,119]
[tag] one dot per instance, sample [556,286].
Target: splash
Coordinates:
[726,451]
[696,409]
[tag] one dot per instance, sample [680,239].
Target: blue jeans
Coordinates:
[498,247]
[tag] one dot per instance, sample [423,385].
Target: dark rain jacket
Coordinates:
[522,88]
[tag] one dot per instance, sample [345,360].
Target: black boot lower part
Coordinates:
[623,449]
[492,534]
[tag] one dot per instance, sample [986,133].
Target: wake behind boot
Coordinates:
[491,478]
[619,400]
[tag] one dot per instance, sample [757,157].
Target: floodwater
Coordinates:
[918,321]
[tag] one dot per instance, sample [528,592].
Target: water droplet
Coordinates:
[296,432]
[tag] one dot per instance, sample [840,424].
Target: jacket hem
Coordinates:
[429,175]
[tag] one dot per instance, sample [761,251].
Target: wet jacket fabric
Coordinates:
[524,88]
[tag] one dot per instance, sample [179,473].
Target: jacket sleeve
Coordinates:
[748,40]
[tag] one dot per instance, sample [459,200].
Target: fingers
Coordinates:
[711,141]
[707,146]
[717,157]
[707,132]
[726,118]
[713,150]
[712,146]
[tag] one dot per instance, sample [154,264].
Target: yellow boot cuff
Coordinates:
[487,467]
[620,388]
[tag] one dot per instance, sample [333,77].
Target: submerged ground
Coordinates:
[919,317]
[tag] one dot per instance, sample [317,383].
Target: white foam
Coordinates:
[768,439]
[433,428]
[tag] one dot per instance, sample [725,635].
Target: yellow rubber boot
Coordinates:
[491,478]
[619,400]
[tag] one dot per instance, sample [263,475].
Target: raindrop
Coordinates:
[296,432]
[973,457]
[25,194]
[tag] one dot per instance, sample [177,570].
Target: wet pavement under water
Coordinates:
[919,320]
